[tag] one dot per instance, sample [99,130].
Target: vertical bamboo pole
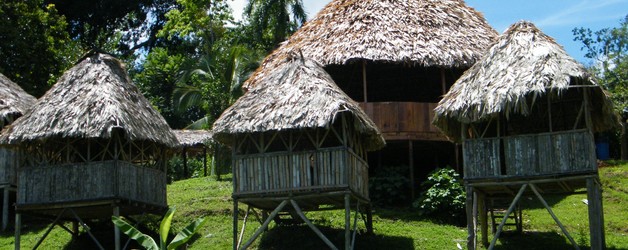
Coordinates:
[470,230]
[443,81]
[364,80]
[483,219]
[411,165]
[347,221]
[18,228]
[204,160]
[5,209]
[596,215]
[235,223]
[475,218]
[116,230]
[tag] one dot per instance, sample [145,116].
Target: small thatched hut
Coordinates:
[194,142]
[14,102]
[526,114]
[297,138]
[397,58]
[96,148]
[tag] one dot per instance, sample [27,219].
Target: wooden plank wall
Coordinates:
[304,171]
[531,155]
[401,117]
[91,181]
[9,160]
[481,157]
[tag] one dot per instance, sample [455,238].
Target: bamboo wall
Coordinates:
[306,171]
[9,160]
[91,181]
[530,155]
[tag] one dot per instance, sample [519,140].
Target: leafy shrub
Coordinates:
[443,196]
[389,186]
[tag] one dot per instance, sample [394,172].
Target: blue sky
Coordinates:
[555,18]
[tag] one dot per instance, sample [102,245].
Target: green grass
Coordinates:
[394,228]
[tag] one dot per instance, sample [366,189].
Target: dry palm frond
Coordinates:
[297,94]
[89,101]
[193,138]
[440,33]
[14,101]
[523,63]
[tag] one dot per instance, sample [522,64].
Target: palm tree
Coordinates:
[275,18]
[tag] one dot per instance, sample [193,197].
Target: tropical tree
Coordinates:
[272,21]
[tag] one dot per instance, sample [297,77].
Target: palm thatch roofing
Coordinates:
[521,65]
[14,101]
[439,33]
[297,94]
[90,100]
[193,138]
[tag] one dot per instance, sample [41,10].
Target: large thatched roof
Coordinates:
[89,101]
[522,64]
[193,138]
[441,33]
[14,101]
[297,94]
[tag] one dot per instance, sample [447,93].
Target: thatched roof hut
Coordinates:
[14,101]
[429,33]
[193,138]
[89,101]
[297,94]
[522,65]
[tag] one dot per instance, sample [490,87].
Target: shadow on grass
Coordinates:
[303,238]
[412,214]
[535,240]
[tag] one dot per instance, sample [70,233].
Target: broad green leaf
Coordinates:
[186,233]
[144,240]
[164,228]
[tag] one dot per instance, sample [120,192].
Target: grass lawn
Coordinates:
[394,228]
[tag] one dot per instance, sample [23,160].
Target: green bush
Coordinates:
[389,186]
[443,196]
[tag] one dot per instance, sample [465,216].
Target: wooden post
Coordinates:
[184,155]
[483,219]
[596,215]
[443,81]
[116,230]
[364,80]
[549,110]
[347,221]
[309,224]
[5,209]
[235,223]
[549,209]
[470,231]
[204,161]
[475,218]
[18,228]
[411,166]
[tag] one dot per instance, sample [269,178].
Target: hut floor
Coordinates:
[308,201]
[97,209]
[545,184]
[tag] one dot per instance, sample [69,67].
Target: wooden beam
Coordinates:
[469,207]
[18,230]
[246,216]
[116,230]
[549,209]
[5,208]
[309,223]
[596,214]
[347,221]
[235,222]
[411,166]
[264,226]
[364,80]
[483,219]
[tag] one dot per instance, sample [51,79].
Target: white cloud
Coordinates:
[583,12]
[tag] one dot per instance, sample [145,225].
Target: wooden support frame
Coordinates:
[18,225]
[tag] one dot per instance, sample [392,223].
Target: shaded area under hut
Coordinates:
[14,102]
[526,114]
[194,143]
[95,147]
[299,144]
[397,59]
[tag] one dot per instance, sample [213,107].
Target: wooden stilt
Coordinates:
[235,224]
[5,209]
[184,155]
[549,209]
[311,225]
[470,232]
[86,229]
[596,215]
[510,209]
[18,228]
[483,219]
[204,161]
[75,229]
[475,218]
[347,221]
[369,219]
[411,166]
[246,216]
[263,227]
[355,224]
[116,230]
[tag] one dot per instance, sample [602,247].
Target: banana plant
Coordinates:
[164,228]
